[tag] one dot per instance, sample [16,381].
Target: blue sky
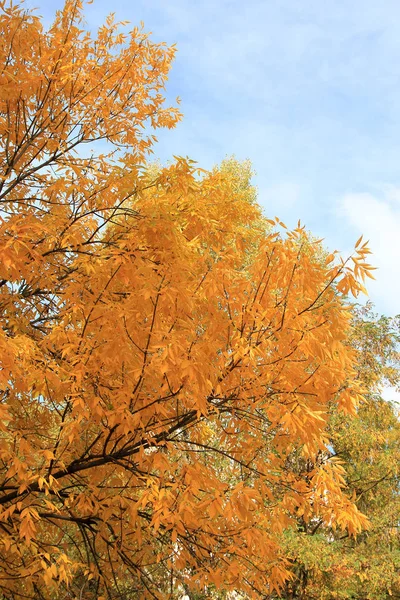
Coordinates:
[309,91]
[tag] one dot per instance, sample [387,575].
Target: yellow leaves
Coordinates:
[348,400]
[4,417]
[330,258]
[358,242]
[279,575]
[215,508]
[58,570]
[49,573]
[167,365]
[27,528]
[160,462]
[348,279]
[330,502]
[276,221]
[80,73]
[243,502]
[48,455]
[332,472]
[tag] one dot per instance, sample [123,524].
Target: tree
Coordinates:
[327,563]
[164,353]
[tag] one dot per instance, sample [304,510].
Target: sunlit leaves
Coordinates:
[169,356]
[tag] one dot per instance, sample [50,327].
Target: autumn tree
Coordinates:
[164,351]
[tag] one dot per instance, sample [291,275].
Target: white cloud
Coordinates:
[378,218]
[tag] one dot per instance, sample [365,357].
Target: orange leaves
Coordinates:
[168,363]
[243,501]
[361,268]
[350,278]
[27,527]
[333,507]
[56,572]
[183,377]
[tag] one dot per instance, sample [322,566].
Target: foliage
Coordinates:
[328,564]
[168,362]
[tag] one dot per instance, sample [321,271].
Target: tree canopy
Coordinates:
[170,358]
